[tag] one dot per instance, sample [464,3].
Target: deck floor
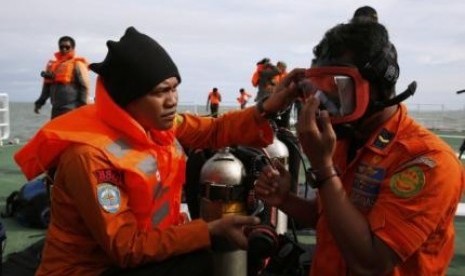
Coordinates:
[19,237]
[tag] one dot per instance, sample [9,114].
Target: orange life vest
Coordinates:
[63,68]
[215,98]
[279,77]
[243,97]
[153,171]
[256,75]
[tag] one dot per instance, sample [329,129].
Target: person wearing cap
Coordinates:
[116,193]
[387,188]
[66,80]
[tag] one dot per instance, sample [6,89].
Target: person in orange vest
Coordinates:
[66,80]
[120,162]
[282,67]
[283,120]
[263,78]
[214,99]
[243,98]
[261,65]
[387,187]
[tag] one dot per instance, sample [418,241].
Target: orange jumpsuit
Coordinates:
[116,192]
[407,182]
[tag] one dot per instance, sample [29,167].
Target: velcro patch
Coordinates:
[109,197]
[408,182]
[421,160]
[383,139]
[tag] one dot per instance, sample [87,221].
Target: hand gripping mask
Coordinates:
[341,90]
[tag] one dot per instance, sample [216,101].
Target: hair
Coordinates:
[241,90]
[67,38]
[368,45]
[215,89]
[365,13]
[281,63]
[264,61]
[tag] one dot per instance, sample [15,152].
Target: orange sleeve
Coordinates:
[239,127]
[117,233]
[408,209]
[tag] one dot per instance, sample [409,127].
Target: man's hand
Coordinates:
[316,134]
[273,184]
[36,110]
[285,92]
[232,227]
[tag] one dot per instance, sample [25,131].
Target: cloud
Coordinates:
[216,43]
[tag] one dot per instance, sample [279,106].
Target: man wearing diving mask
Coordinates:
[387,187]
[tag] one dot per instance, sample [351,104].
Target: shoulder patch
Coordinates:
[408,182]
[109,197]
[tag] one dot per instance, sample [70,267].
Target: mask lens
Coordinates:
[346,90]
[336,94]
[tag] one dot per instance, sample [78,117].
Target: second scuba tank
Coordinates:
[278,150]
[223,193]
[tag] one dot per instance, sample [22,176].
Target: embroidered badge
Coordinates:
[109,176]
[366,186]
[108,197]
[408,182]
[383,139]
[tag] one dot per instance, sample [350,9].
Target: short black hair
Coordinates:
[365,13]
[67,38]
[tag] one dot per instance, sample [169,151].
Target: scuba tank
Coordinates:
[278,150]
[222,194]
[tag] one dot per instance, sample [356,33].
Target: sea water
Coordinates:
[24,123]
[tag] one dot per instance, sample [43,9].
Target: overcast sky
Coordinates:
[217,43]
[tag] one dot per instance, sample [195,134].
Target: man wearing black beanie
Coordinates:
[133,66]
[120,169]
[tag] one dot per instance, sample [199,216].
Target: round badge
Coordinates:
[408,182]
[108,197]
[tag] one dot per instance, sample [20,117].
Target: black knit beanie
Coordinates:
[133,66]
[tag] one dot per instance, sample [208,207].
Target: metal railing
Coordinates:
[4,117]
